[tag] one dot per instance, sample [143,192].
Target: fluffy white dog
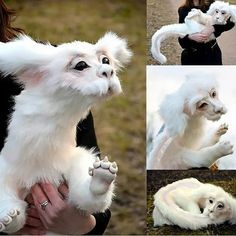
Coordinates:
[195,22]
[61,84]
[182,144]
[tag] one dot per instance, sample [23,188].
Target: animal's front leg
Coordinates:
[205,157]
[91,182]
[214,137]
[103,174]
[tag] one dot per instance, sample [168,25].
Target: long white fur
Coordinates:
[41,135]
[179,203]
[182,144]
[195,22]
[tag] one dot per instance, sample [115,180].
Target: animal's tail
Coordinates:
[162,34]
[166,206]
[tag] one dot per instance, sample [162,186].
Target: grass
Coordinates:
[156,180]
[120,122]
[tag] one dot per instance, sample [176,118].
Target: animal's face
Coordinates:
[221,12]
[91,70]
[217,209]
[77,67]
[209,105]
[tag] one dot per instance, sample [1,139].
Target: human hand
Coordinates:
[208,31]
[57,216]
[198,37]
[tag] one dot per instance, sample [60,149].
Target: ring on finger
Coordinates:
[44,204]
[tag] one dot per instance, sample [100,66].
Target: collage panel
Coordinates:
[191,32]
[187,202]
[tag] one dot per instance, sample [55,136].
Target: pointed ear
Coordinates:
[172,113]
[117,47]
[24,55]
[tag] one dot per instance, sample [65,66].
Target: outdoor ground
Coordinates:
[161,13]
[158,179]
[120,122]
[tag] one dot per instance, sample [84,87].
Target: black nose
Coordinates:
[106,73]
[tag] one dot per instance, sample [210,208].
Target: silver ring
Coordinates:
[44,204]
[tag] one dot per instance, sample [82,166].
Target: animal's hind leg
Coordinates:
[12,209]
[12,215]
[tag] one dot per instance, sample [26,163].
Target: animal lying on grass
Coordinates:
[61,84]
[193,205]
[195,22]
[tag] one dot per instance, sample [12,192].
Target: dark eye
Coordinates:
[211,201]
[217,11]
[203,105]
[220,206]
[222,12]
[105,60]
[213,94]
[81,65]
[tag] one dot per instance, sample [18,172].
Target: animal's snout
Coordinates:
[220,110]
[106,71]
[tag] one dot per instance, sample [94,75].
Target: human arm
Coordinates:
[219,29]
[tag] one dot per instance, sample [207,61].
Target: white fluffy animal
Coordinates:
[191,204]
[183,144]
[61,84]
[195,22]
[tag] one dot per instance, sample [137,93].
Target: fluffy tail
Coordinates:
[171,212]
[162,34]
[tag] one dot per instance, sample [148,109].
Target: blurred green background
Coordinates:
[120,122]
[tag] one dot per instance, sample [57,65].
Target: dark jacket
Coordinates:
[195,53]
[85,135]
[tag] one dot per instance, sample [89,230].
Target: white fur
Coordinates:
[196,21]
[182,144]
[180,203]
[41,140]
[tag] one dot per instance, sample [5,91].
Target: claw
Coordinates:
[97,164]
[13,213]
[113,168]
[2,227]
[6,220]
[105,164]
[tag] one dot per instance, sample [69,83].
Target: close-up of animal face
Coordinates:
[218,209]
[81,67]
[221,12]
[210,106]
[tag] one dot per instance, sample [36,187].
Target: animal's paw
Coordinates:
[103,173]
[222,129]
[192,13]
[11,220]
[225,147]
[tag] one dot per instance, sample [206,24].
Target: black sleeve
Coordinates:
[102,220]
[85,134]
[185,42]
[219,29]
[8,89]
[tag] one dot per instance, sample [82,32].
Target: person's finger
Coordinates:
[64,191]
[33,212]
[27,230]
[52,194]
[34,222]
[40,197]
[29,199]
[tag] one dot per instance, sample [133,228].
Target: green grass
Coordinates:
[120,122]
